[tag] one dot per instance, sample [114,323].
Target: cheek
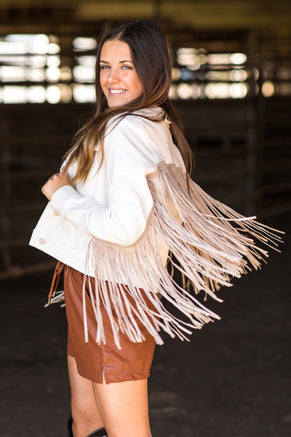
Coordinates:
[138,86]
[102,80]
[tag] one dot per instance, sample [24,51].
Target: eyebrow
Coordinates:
[121,62]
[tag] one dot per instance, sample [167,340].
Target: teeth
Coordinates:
[116,91]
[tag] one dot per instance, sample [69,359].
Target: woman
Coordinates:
[122,201]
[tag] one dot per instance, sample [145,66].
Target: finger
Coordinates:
[55,175]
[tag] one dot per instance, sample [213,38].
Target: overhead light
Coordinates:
[238,58]
[268,88]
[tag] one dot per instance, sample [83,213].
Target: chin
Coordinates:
[119,103]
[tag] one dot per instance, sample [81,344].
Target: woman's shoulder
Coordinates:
[144,134]
[145,127]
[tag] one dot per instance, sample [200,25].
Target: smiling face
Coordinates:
[118,78]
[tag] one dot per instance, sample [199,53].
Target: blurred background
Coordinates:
[232,89]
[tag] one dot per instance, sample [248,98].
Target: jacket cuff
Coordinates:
[62,195]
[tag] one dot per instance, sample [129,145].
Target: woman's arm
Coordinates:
[130,154]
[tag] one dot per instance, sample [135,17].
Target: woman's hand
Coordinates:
[55,182]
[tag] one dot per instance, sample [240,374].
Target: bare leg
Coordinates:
[124,408]
[85,413]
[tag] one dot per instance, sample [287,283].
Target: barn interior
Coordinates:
[232,90]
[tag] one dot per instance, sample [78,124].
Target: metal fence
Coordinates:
[242,150]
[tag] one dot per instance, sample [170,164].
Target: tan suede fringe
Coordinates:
[211,244]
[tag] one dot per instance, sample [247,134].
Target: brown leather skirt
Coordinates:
[100,363]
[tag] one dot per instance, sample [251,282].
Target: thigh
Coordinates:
[124,408]
[83,403]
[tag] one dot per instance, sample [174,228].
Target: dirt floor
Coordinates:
[232,380]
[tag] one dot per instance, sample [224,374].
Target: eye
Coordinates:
[104,67]
[127,67]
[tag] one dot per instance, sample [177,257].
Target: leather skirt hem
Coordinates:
[102,362]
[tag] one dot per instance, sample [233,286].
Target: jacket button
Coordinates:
[42,240]
[56,213]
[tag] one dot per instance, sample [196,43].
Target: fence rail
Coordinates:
[242,158]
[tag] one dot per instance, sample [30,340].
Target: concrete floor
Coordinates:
[232,380]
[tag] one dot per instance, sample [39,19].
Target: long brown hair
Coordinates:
[151,59]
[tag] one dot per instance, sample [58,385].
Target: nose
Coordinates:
[113,75]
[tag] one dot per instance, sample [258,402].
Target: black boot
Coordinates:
[70,421]
[98,433]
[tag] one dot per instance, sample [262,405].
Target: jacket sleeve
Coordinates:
[129,154]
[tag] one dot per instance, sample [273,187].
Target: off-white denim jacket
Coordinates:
[120,225]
